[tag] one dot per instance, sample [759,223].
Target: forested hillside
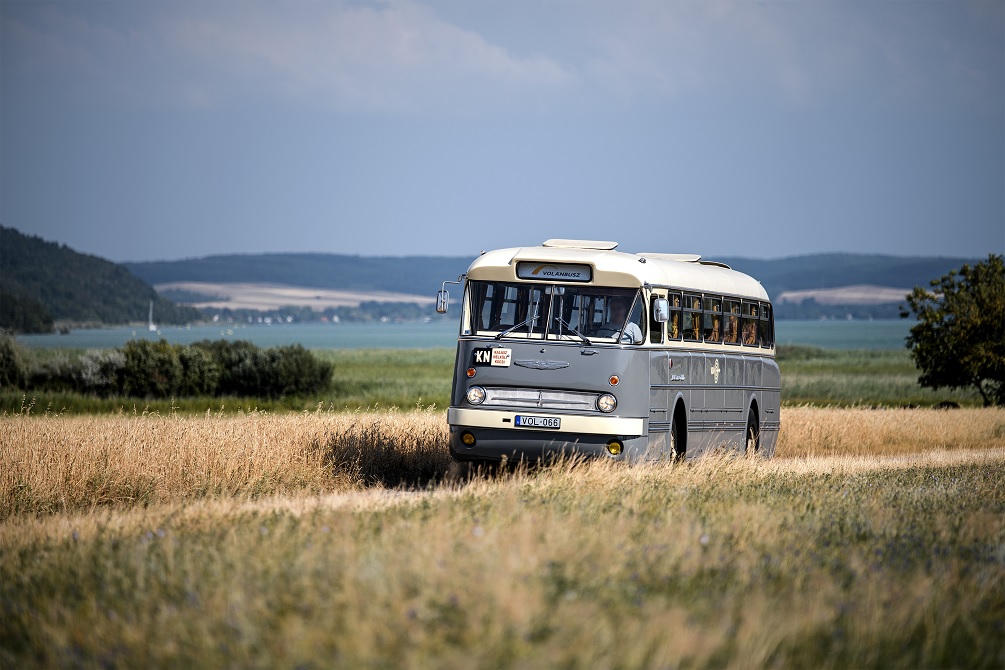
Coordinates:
[44,282]
[409,274]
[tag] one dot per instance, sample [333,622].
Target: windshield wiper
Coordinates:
[568,325]
[519,325]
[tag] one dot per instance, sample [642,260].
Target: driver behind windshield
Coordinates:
[617,315]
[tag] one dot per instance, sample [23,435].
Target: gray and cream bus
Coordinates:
[573,347]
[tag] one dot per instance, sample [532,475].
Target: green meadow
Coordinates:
[420,378]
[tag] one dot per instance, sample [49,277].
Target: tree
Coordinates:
[959,340]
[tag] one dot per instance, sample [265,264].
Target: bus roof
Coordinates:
[616,268]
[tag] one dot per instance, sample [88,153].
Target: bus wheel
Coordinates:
[753,433]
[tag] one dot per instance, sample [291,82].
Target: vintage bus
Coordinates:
[573,347]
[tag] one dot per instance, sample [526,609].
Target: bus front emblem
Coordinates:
[714,370]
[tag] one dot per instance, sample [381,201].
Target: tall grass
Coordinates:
[56,463]
[801,562]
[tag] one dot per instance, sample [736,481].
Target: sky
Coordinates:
[163,130]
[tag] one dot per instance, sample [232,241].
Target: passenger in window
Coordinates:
[696,319]
[749,331]
[675,321]
[617,315]
[732,328]
[712,321]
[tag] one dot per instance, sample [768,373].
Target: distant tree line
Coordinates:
[147,369]
[811,309]
[368,311]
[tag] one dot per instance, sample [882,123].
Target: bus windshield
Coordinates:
[551,311]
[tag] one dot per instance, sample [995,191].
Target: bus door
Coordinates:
[659,376]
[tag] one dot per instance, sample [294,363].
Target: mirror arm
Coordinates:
[443,295]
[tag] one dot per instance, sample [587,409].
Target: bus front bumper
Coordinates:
[496,436]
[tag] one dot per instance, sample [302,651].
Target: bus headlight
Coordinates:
[476,395]
[605,403]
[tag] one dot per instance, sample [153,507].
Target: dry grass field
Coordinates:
[875,538]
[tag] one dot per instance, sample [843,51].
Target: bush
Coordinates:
[101,371]
[239,363]
[57,373]
[292,370]
[247,370]
[146,369]
[200,372]
[152,369]
[13,362]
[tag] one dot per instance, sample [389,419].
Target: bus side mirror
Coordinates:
[661,310]
[442,301]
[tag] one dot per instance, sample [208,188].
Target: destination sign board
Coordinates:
[554,271]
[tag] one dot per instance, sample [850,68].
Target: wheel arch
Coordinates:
[680,415]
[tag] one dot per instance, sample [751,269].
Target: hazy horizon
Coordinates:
[461,255]
[161,131]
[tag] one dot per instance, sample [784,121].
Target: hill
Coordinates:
[824,271]
[874,277]
[406,274]
[45,282]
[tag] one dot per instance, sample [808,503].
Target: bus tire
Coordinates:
[753,433]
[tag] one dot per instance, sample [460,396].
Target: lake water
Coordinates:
[879,334]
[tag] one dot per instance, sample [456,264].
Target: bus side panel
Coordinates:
[659,413]
[735,410]
[697,436]
[715,393]
[771,409]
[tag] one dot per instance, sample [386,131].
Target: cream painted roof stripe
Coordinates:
[616,268]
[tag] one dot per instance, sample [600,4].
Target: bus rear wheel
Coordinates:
[753,433]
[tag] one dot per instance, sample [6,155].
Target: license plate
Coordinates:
[551,422]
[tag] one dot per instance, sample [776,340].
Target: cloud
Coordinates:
[410,56]
[382,57]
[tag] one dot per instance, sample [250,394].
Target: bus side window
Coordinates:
[767,326]
[692,318]
[655,327]
[748,325]
[732,322]
[712,325]
[673,326]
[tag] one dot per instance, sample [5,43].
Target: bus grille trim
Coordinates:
[540,399]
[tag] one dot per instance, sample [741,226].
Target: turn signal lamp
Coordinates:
[468,439]
[471,372]
[614,447]
[614,380]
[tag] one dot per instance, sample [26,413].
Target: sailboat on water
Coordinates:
[151,326]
